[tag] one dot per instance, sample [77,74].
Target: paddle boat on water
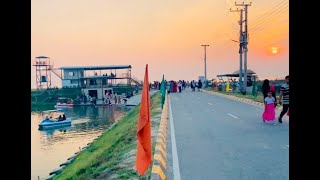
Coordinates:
[57,122]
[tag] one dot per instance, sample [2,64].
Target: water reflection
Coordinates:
[51,147]
[51,131]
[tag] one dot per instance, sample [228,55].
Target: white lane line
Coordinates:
[233,116]
[210,104]
[175,160]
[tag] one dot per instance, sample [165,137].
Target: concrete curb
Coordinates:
[160,156]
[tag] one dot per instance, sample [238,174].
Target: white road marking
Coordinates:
[233,116]
[210,104]
[175,160]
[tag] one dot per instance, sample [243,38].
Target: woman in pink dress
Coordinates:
[269,113]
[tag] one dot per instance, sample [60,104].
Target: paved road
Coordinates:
[222,139]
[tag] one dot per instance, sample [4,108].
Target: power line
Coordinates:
[274,9]
[269,20]
[269,16]
[274,15]
[281,4]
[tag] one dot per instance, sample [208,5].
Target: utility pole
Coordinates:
[240,47]
[205,63]
[245,44]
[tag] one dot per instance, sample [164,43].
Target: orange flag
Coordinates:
[144,150]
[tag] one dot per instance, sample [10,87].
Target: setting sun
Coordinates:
[274,50]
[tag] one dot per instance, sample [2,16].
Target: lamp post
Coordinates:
[205,63]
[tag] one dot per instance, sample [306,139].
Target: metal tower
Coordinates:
[43,72]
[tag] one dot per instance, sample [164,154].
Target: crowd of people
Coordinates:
[177,86]
[113,99]
[109,99]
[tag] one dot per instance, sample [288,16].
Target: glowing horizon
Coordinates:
[166,35]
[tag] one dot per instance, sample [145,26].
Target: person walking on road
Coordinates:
[269,113]
[192,85]
[171,86]
[284,96]
[199,85]
[266,87]
[180,86]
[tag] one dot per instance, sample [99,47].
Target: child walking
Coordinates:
[269,113]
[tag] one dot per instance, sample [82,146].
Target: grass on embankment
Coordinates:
[112,155]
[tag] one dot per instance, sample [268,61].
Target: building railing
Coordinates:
[118,75]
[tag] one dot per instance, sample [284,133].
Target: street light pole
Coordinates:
[205,62]
[240,47]
[245,44]
[240,51]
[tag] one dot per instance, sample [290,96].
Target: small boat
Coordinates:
[64,105]
[64,102]
[54,110]
[46,123]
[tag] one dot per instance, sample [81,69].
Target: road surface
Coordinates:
[217,138]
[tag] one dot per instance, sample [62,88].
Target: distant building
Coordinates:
[95,81]
[95,76]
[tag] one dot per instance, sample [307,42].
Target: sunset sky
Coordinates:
[167,35]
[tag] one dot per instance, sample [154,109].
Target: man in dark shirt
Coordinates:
[284,96]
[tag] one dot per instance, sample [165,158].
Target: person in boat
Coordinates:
[64,117]
[60,118]
[47,118]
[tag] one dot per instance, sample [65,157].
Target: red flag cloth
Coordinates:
[144,150]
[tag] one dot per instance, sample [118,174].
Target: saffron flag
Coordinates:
[144,150]
[162,91]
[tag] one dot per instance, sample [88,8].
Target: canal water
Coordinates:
[50,148]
